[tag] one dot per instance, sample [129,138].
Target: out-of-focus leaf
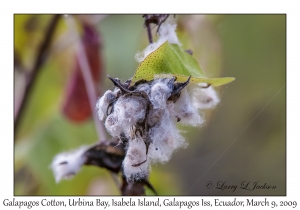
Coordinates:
[201,33]
[57,137]
[76,105]
[170,59]
[41,108]
[29,31]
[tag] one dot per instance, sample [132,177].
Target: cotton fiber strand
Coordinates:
[160,92]
[204,98]
[127,112]
[186,111]
[66,165]
[136,154]
[165,138]
[103,103]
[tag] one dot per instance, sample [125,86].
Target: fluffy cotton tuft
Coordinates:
[186,111]
[104,101]
[204,98]
[127,111]
[114,125]
[167,31]
[136,154]
[160,92]
[165,138]
[66,165]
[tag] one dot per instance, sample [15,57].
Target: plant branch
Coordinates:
[41,57]
[90,87]
[149,33]
[88,80]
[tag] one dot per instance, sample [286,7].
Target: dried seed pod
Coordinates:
[107,154]
[177,87]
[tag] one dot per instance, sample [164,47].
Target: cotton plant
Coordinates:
[167,89]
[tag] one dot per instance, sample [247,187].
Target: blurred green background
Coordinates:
[243,139]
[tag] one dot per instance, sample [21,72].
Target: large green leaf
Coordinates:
[170,59]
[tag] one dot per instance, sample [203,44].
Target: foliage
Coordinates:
[248,47]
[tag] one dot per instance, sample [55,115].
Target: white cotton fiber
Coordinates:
[167,31]
[66,165]
[165,138]
[136,154]
[127,111]
[203,98]
[185,110]
[160,92]
[104,101]
[144,88]
[102,104]
[113,125]
[132,108]
[154,116]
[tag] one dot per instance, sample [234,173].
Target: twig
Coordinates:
[149,33]
[35,71]
[155,19]
[88,80]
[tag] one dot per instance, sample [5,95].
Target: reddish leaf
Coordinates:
[76,106]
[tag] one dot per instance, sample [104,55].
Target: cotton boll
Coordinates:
[135,155]
[103,102]
[66,165]
[160,92]
[185,110]
[204,98]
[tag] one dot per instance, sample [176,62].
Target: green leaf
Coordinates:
[171,60]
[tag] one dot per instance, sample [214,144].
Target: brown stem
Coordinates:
[149,33]
[41,57]
[88,80]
